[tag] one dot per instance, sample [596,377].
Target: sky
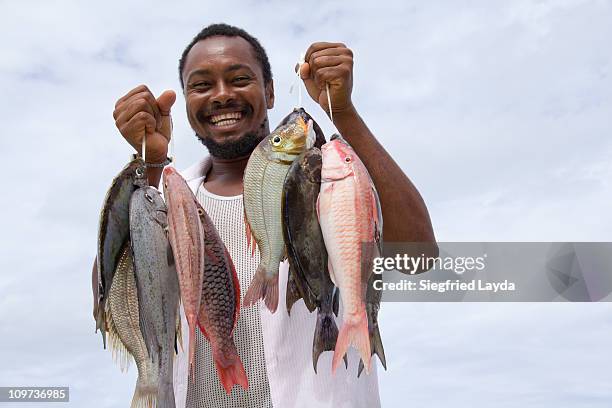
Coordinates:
[499,112]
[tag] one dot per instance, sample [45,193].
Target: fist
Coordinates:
[329,63]
[139,114]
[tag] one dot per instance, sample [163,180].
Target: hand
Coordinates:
[329,63]
[138,113]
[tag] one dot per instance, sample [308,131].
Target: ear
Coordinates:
[270,95]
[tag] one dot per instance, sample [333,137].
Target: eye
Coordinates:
[276,141]
[347,159]
[240,79]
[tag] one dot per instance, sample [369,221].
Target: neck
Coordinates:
[227,169]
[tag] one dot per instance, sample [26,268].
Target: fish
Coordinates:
[373,297]
[114,231]
[125,335]
[187,241]
[263,181]
[220,307]
[157,284]
[306,249]
[350,219]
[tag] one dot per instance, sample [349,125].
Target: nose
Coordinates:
[223,94]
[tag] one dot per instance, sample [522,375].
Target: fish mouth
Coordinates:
[318,133]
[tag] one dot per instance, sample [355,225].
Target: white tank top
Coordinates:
[276,349]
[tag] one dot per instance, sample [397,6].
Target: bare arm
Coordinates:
[405,215]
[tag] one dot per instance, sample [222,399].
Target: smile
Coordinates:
[226,119]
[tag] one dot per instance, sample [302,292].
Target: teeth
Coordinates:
[233,115]
[226,122]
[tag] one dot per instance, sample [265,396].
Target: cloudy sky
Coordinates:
[499,112]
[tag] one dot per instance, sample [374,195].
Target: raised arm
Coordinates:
[405,215]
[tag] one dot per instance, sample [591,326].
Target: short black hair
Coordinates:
[229,31]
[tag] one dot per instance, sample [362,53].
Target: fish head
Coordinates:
[289,140]
[338,160]
[172,180]
[318,133]
[137,168]
[153,204]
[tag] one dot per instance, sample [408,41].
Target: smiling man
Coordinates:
[228,88]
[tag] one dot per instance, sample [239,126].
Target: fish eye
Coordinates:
[276,141]
[347,159]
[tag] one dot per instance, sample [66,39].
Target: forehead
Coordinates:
[218,52]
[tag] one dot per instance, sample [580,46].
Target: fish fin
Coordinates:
[293,293]
[230,369]
[325,336]
[101,322]
[355,334]
[251,243]
[330,268]
[263,287]
[203,330]
[378,219]
[377,347]
[236,287]
[145,395]
[336,301]
[120,353]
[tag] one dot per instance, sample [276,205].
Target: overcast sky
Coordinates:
[499,112]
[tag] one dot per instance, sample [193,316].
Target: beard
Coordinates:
[239,148]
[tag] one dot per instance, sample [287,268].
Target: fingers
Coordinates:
[138,99]
[320,46]
[139,124]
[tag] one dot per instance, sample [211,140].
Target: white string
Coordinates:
[144,146]
[296,82]
[331,115]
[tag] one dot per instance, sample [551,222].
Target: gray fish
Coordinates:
[306,249]
[113,232]
[157,283]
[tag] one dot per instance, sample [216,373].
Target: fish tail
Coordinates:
[377,348]
[326,334]
[145,395]
[263,287]
[165,395]
[355,334]
[230,368]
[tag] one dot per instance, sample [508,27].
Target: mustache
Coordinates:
[213,109]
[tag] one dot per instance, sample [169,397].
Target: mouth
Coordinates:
[226,121]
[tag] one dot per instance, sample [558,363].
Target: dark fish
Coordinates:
[306,251]
[114,231]
[157,284]
[220,307]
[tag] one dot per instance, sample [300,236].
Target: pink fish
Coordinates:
[186,235]
[349,216]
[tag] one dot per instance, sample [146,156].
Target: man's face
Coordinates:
[225,95]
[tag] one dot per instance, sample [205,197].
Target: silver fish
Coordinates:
[157,282]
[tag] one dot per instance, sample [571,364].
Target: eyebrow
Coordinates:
[231,68]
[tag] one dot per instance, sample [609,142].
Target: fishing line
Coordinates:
[144,146]
[331,115]
[296,81]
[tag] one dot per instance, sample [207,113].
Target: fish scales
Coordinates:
[187,241]
[157,284]
[125,335]
[113,231]
[219,308]
[263,184]
[349,217]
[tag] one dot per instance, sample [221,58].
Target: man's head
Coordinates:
[228,88]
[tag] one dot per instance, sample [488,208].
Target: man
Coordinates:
[228,88]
